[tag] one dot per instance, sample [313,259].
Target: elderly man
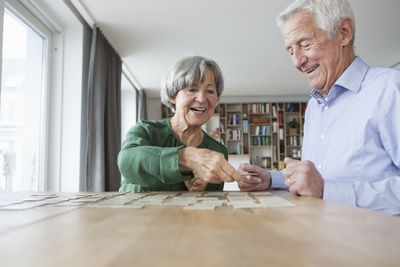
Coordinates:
[351,148]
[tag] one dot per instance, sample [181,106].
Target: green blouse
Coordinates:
[148,159]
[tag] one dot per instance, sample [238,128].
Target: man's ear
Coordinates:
[346,31]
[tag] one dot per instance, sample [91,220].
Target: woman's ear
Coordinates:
[346,31]
[172,100]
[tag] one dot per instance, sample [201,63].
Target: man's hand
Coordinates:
[303,178]
[260,182]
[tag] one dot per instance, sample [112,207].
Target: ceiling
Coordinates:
[239,35]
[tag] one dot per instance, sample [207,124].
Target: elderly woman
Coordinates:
[176,154]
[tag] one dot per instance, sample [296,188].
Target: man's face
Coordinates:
[313,53]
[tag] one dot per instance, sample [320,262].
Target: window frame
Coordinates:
[24,15]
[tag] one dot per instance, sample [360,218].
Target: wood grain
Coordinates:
[312,233]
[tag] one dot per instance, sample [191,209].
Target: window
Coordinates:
[23,102]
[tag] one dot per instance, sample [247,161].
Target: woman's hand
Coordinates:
[195,184]
[209,166]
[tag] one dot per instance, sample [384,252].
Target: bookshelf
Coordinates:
[265,132]
[262,131]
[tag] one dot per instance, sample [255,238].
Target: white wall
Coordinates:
[1,35]
[154,108]
[71,111]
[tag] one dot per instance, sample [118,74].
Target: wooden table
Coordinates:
[313,233]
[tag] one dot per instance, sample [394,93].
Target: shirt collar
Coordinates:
[350,79]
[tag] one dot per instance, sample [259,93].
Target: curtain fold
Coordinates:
[142,110]
[101,137]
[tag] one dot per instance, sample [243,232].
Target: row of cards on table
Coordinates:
[187,200]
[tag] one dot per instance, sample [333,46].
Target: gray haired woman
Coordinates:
[176,154]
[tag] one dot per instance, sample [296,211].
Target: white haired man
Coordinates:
[351,147]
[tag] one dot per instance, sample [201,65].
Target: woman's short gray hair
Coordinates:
[328,14]
[188,72]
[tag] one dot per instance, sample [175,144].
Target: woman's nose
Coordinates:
[201,96]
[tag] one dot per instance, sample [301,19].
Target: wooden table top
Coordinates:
[312,233]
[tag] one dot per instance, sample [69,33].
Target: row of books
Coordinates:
[234,119]
[294,153]
[274,111]
[281,133]
[292,107]
[261,130]
[234,134]
[293,140]
[259,108]
[281,118]
[245,126]
[221,127]
[235,148]
[260,141]
[275,126]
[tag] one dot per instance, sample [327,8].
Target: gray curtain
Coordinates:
[142,109]
[101,136]
[87,40]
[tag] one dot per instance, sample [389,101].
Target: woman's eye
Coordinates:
[212,92]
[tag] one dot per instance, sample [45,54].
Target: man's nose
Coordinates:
[298,59]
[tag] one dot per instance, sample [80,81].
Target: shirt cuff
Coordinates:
[339,192]
[277,180]
[169,166]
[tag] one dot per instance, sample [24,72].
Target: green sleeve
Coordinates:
[146,164]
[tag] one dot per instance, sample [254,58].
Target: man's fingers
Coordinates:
[287,172]
[294,190]
[289,181]
[289,161]
[251,179]
[292,163]
[246,167]
[252,187]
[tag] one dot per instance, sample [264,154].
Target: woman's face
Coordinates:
[196,104]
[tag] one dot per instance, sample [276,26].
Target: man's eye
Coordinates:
[212,92]
[306,45]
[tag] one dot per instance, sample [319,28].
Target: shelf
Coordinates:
[259,124]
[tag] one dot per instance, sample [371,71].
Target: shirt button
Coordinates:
[319,166]
[326,107]
[322,136]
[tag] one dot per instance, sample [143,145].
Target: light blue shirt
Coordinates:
[353,138]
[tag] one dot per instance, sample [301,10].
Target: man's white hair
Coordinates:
[327,13]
